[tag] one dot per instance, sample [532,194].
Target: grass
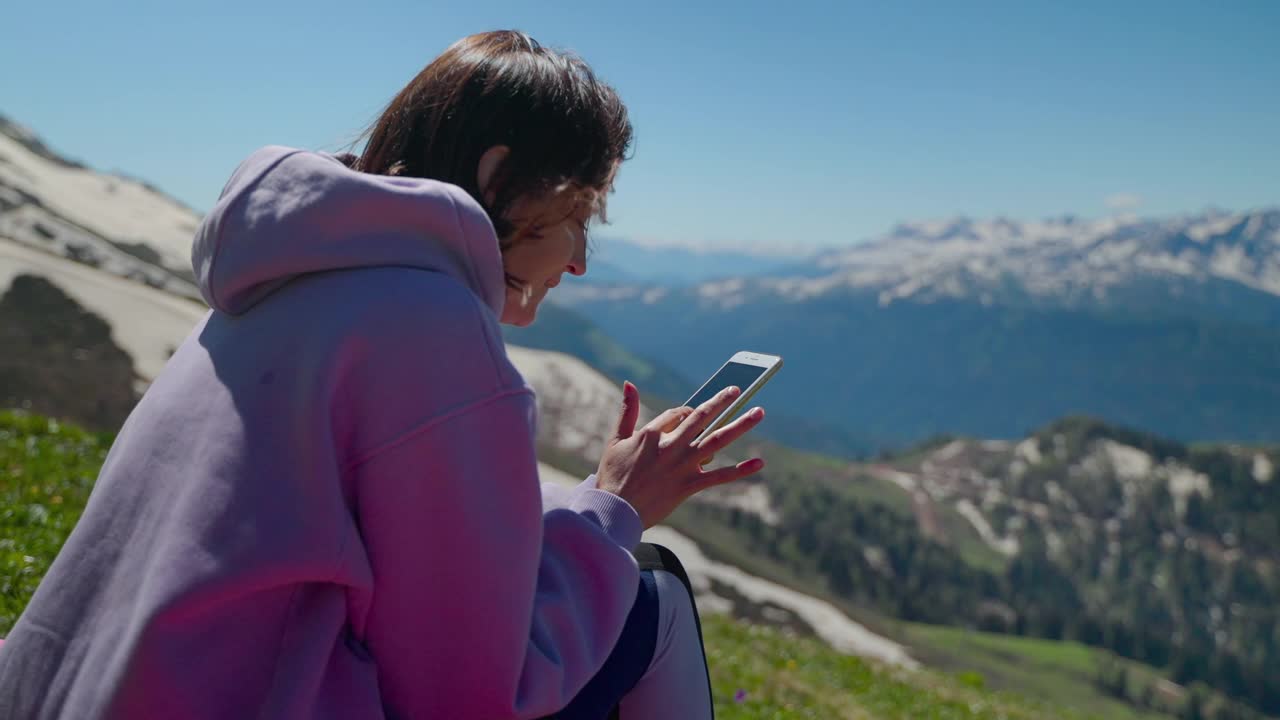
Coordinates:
[966,541]
[1062,673]
[869,490]
[759,673]
[46,472]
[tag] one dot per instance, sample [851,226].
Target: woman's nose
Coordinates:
[578,265]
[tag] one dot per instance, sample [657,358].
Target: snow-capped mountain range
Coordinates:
[1064,260]
[995,327]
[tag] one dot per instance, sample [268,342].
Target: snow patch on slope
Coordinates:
[1129,463]
[549,474]
[825,619]
[1263,469]
[34,226]
[146,323]
[1183,482]
[745,495]
[1029,451]
[1007,546]
[827,622]
[577,406]
[116,208]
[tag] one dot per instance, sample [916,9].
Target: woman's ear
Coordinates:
[489,163]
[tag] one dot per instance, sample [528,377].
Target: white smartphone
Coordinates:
[749,371]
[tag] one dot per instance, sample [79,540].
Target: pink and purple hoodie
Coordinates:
[327,505]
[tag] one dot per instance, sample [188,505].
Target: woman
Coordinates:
[327,504]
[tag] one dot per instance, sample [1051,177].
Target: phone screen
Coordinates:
[731,374]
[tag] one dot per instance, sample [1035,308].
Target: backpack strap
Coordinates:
[651,557]
[634,650]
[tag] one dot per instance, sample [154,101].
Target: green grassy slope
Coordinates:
[46,472]
[1060,673]
[759,673]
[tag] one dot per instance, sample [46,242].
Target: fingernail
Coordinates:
[757,413]
[732,391]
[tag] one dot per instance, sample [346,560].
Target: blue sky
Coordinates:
[761,124]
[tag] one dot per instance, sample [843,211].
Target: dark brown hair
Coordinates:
[566,129]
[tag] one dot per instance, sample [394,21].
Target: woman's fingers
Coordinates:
[704,414]
[724,475]
[676,418]
[629,413]
[727,435]
[668,420]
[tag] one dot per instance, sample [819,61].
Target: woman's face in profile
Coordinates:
[551,241]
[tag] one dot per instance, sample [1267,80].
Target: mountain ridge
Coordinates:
[962,258]
[1167,324]
[120,225]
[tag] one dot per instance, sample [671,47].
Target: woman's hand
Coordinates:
[659,466]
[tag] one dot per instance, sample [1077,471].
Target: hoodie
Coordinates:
[327,504]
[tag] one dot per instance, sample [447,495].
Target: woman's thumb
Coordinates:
[630,412]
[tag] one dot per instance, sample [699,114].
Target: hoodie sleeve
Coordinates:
[555,495]
[484,606]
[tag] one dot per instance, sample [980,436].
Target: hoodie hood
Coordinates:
[288,212]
